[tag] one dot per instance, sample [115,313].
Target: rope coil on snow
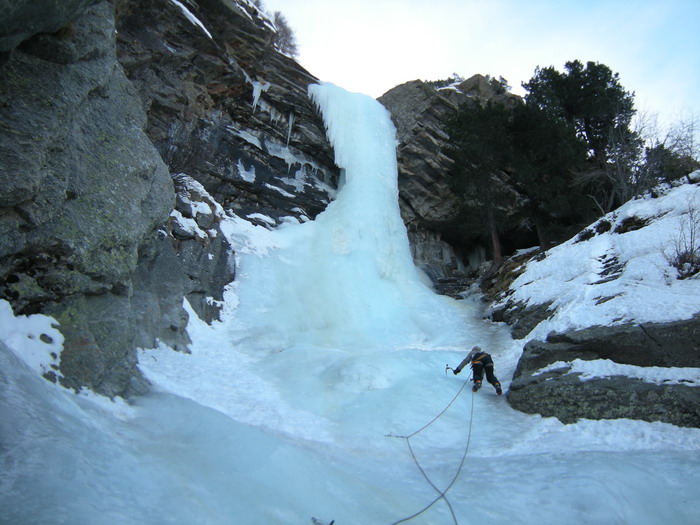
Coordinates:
[442,494]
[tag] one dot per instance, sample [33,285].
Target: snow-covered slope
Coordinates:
[617,270]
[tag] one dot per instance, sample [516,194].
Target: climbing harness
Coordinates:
[442,494]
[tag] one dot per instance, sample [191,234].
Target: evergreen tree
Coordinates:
[547,154]
[592,99]
[663,165]
[559,160]
[515,166]
[480,145]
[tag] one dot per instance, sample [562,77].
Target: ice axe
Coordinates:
[448,367]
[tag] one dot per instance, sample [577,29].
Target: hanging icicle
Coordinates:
[258,88]
[291,124]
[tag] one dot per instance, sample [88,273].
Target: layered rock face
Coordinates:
[563,394]
[428,206]
[227,109]
[111,182]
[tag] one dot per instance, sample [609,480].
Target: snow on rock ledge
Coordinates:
[615,379]
[610,293]
[615,272]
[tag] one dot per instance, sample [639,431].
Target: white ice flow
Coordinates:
[347,278]
[329,345]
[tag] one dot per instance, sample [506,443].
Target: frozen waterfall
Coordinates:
[329,342]
[347,277]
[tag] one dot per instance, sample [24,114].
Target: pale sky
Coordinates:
[370,46]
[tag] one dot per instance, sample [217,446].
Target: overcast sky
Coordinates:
[370,46]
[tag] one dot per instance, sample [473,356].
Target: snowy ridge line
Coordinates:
[259,12]
[247,175]
[262,217]
[189,225]
[246,237]
[453,87]
[189,189]
[602,368]
[245,135]
[279,190]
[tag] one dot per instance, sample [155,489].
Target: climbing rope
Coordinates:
[442,494]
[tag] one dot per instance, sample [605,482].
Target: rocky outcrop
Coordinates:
[96,232]
[675,344]
[419,112]
[428,205]
[434,256]
[566,397]
[227,109]
[83,191]
[563,394]
[22,19]
[522,317]
[204,256]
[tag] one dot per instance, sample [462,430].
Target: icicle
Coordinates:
[188,14]
[291,124]
[258,88]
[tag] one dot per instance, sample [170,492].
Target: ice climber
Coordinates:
[480,361]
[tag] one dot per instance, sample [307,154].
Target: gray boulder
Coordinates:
[562,394]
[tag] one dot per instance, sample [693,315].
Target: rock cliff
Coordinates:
[226,108]
[429,208]
[83,192]
[122,126]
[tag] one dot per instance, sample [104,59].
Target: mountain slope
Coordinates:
[611,324]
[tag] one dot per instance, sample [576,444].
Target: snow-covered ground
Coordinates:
[616,278]
[330,349]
